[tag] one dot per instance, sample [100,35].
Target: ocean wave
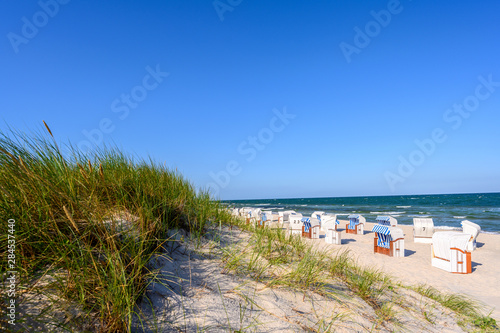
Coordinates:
[491,232]
[418,216]
[459,217]
[387,213]
[263,204]
[491,210]
[403,206]
[445,227]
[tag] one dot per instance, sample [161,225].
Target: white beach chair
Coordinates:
[473,230]
[356,224]
[329,220]
[388,240]
[248,214]
[285,218]
[252,215]
[317,214]
[449,252]
[332,236]
[295,223]
[423,229]
[234,211]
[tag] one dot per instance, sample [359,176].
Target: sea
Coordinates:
[446,210]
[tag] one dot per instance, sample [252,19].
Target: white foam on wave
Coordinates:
[491,232]
[459,217]
[387,213]
[403,206]
[424,216]
[445,227]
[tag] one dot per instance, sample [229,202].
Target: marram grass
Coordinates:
[93,220]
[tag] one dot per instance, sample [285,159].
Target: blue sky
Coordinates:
[267,99]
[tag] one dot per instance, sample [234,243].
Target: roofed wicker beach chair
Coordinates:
[449,252]
[234,211]
[389,240]
[247,213]
[328,220]
[473,230]
[310,227]
[252,215]
[266,218]
[295,223]
[423,229]
[356,224]
[285,218]
[317,214]
[329,226]
[387,220]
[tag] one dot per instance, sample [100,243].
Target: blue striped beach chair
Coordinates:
[355,225]
[306,227]
[387,220]
[388,240]
[265,217]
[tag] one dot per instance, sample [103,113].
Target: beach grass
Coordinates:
[88,223]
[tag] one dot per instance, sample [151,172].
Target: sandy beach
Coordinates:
[482,284]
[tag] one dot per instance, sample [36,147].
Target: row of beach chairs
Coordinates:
[451,250]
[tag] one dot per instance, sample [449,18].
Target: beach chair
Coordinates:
[317,214]
[325,219]
[283,215]
[388,240]
[473,230]
[387,220]
[285,218]
[310,227]
[295,223]
[449,252]
[423,229]
[332,236]
[255,215]
[234,212]
[286,215]
[266,218]
[356,224]
[249,214]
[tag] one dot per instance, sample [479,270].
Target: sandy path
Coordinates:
[483,284]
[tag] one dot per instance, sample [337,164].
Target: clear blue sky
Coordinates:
[358,83]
